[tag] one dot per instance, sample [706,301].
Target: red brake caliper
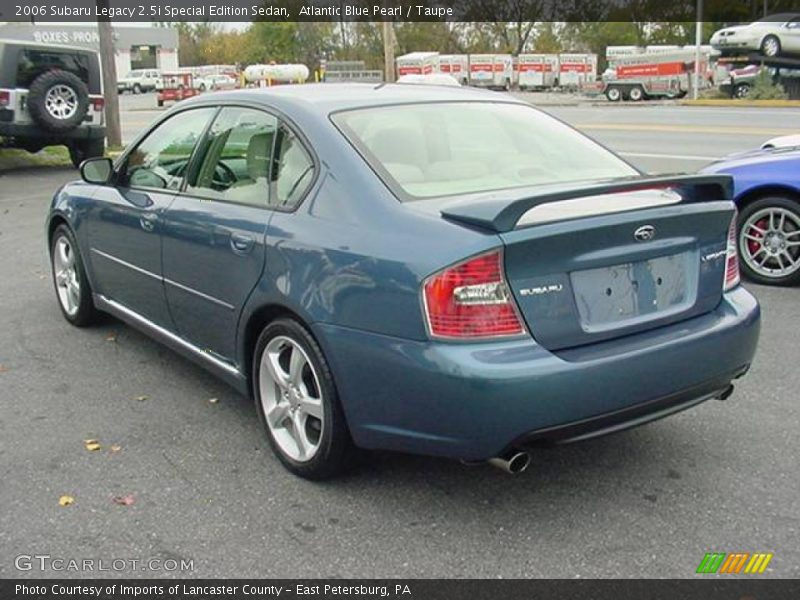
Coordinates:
[753,245]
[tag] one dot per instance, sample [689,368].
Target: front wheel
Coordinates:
[769,241]
[741,90]
[636,94]
[297,402]
[69,278]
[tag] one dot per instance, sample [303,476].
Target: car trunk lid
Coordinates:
[591,263]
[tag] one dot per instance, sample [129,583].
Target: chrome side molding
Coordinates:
[227,371]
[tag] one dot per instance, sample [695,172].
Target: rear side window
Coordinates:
[442,149]
[161,159]
[33,62]
[237,157]
[293,171]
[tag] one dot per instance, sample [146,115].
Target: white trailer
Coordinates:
[455,65]
[537,71]
[491,71]
[575,70]
[418,63]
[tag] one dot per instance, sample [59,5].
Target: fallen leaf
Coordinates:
[126,500]
[115,448]
[66,500]
[142,398]
[213,400]
[91,445]
[111,337]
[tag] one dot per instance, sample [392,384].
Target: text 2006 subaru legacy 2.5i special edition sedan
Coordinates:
[417,268]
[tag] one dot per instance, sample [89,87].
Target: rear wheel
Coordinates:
[614,94]
[80,151]
[297,401]
[58,101]
[636,94]
[769,241]
[69,278]
[137,89]
[771,46]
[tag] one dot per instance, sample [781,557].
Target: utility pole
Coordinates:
[698,39]
[109,68]
[388,51]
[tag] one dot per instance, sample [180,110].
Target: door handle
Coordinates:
[241,243]
[148,222]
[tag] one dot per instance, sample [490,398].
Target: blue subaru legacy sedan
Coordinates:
[426,269]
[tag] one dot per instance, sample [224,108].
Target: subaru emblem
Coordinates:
[645,233]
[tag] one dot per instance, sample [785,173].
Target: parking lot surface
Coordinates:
[189,453]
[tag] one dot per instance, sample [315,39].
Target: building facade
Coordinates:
[135,47]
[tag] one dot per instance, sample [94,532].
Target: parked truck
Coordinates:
[494,71]
[537,71]
[418,63]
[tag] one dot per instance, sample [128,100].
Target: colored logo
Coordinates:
[735,562]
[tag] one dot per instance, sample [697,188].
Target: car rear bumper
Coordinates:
[82,132]
[474,401]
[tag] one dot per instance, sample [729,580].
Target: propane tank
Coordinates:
[276,73]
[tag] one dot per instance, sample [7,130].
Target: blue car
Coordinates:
[767,192]
[415,268]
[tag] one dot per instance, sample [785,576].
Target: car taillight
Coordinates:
[98,104]
[5,98]
[731,258]
[471,300]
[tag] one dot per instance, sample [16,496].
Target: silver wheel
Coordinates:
[769,241]
[291,398]
[66,275]
[61,101]
[771,46]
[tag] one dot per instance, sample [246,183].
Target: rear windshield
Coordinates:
[34,62]
[447,148]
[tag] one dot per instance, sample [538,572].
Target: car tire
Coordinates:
[80,151]
[636,94]
[613,93]
[73,292]
[771,46]
[137,89]
[741,90]
[202,87]
[768,225]
[297,402]
[58,101]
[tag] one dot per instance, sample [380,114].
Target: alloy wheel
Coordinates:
[770,242]
[291,398]
[66,275]
[61,102]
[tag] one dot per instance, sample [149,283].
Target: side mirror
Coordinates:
[97,170]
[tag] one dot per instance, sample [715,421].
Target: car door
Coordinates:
[124,223]
[215,229]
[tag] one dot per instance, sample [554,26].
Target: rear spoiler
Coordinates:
[501,213]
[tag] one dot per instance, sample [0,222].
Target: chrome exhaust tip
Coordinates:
[513,463]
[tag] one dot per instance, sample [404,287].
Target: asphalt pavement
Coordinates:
[189,453]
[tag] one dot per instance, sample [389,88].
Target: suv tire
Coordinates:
[58,101]
[81,150]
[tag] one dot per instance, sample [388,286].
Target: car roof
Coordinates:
[325,98]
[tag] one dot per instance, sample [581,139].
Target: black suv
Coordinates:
[51,96]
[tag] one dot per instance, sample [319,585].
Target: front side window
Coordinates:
[161,159]
[237,156]
[447,148]
[293,170]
